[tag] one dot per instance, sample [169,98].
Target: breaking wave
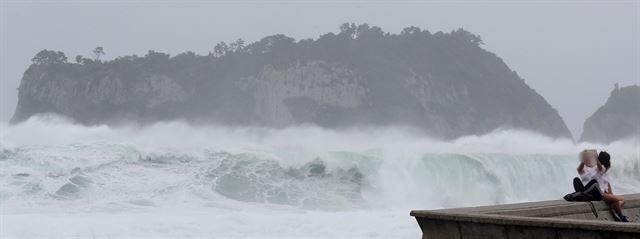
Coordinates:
[52,160]
[51,164]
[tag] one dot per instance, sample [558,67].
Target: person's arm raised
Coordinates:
[581,168]
[600,167]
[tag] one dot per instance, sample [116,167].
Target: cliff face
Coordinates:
[442,83]
[618,118]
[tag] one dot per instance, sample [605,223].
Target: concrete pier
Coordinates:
[549,219]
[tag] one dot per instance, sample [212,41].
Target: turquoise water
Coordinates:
[173,180]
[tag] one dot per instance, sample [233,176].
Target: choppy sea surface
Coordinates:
[173,180]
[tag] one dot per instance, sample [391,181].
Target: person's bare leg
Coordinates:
[614,201]
[620,201]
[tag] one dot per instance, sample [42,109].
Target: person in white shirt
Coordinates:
[590,170]
[616,202]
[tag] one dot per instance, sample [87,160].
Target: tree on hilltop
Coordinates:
[49,57]
[98,52]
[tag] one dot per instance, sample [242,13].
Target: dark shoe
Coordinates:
[624,219]
[578,197]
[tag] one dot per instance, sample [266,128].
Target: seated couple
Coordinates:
[594,183]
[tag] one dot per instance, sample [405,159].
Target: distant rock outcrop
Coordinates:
[617,119]
[443,83]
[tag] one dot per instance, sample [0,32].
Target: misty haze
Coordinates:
[259,119]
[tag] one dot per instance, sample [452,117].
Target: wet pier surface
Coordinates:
[557,219]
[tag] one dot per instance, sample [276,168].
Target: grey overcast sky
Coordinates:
[571,52]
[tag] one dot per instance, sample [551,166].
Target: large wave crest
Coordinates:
[47,162]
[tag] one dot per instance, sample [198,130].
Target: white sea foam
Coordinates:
[174,180]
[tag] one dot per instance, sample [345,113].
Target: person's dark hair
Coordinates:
[605,159]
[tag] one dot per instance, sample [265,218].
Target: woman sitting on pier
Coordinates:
[590,170]
[615,202]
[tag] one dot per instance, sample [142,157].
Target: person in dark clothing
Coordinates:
[590,189]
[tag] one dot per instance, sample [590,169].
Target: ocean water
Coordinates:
[173,180]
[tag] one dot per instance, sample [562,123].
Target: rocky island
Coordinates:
[617,119]
[445,84]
